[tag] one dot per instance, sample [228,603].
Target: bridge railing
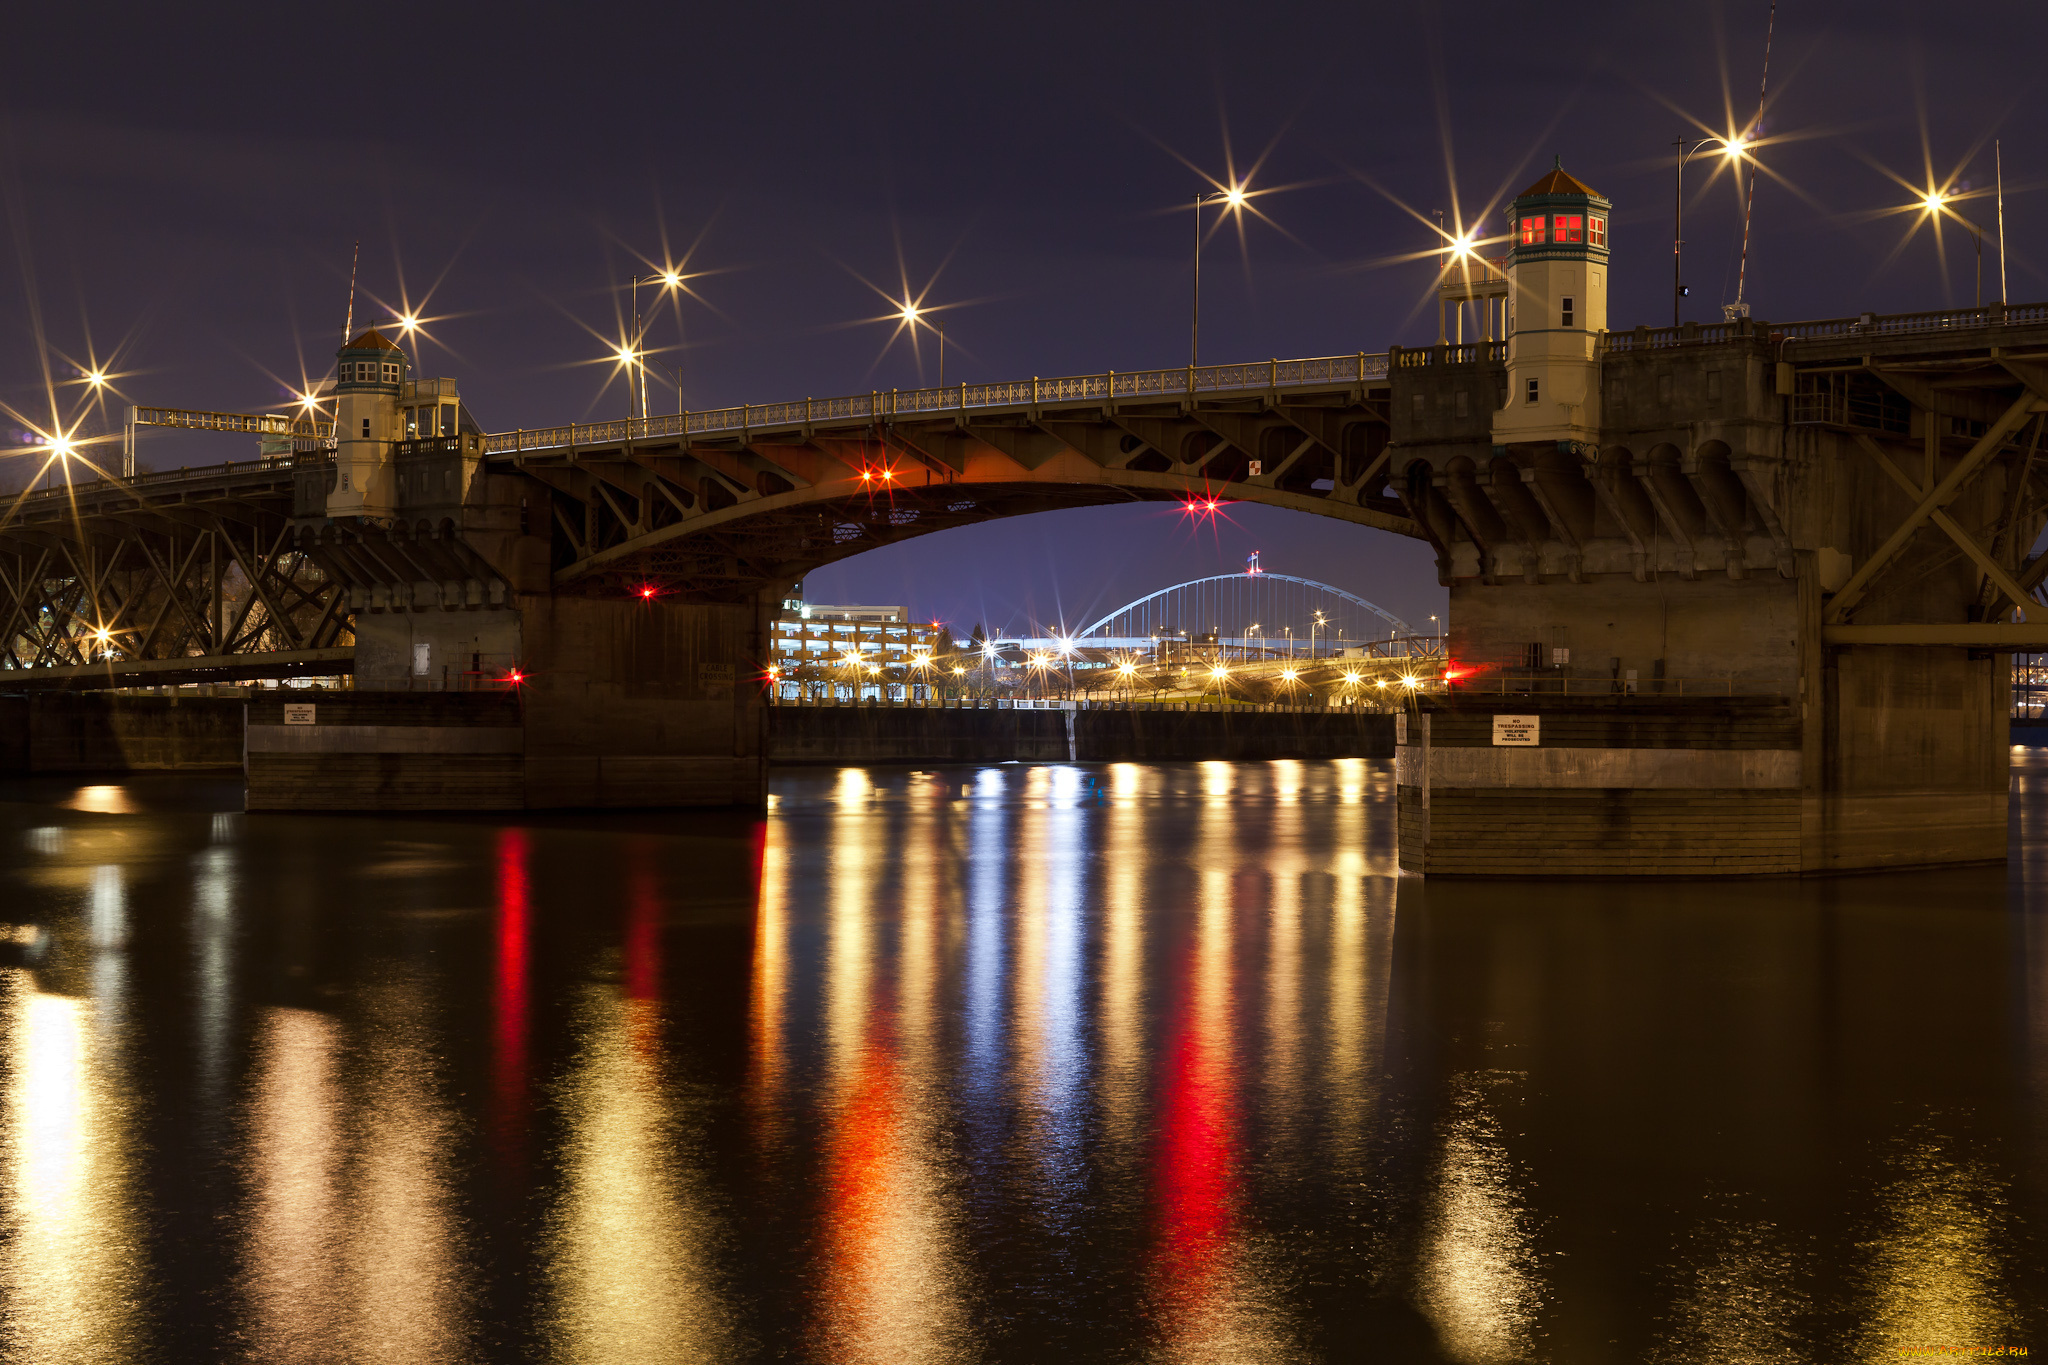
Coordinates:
[1828,329]
[1517,684]
[881,405]
[252,423]
[145,480]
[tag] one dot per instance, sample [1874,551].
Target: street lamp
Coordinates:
[407,324]
[1315,625]
[912,314]
[1730,148]
[1233,198]
[630,358]
[667,279]
[1936,202]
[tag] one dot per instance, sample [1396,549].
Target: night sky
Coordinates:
[183,188]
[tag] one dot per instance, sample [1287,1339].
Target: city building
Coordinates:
[816,634]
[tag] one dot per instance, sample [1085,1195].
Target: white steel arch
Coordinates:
[1398,626]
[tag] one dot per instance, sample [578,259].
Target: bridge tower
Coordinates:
[1557,309]
[1733,598]
[369,373]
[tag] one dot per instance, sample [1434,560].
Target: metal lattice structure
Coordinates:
[167,579]
[1260,605]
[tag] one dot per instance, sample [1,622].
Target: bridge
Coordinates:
[1743,590]
[700,506]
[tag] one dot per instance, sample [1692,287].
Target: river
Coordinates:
[1012,1063]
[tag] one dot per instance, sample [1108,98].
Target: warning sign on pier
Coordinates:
[1517,729]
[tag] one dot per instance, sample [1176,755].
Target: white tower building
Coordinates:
[1557,310]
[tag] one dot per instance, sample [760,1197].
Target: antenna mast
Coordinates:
[348,324]
[1998,161]
[1741,308]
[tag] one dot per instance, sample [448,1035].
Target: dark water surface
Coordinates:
[1082,1063]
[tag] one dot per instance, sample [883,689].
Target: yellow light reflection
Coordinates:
[632,1249]
[401,1252]
[1743,1301]
[73,1258]
[1479,1279]
[770,993]
[351,1250]
[1934,1275]
[102,800]
[1286,866]
[1126,845]
[299,1309]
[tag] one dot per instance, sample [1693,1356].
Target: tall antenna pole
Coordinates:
[348,325]
[1998,161]
[1742,272]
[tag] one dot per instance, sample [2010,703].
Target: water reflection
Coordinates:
[633,1249]
[890,1278]
[1740,1293]
[512,927]
[299,1308]
[1478,1274]
[1935,1270]
[73,1259]
[1001,1063]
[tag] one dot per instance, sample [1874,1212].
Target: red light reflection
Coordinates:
[509,993]
[1196,1163]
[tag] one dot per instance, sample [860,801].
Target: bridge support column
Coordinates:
[643,703]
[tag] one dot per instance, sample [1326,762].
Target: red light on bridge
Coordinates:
[1203,505]
[646,591]
[515,677]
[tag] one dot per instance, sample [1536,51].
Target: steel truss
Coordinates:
[121,577]
[737,514]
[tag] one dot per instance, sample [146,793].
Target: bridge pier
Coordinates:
[604,704]
[1724,599]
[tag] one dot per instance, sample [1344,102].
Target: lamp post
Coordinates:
[1682,153]
[1936,202]
[912,315]
[407,324]
[1313,626]
[1234,198]
[667,279]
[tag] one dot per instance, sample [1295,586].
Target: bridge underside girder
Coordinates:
[722,519]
